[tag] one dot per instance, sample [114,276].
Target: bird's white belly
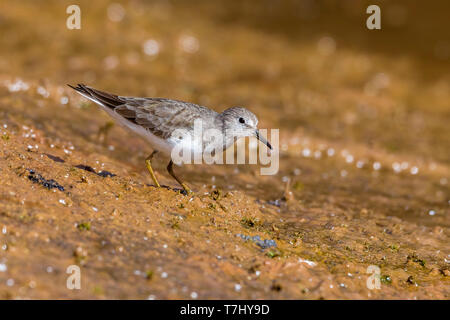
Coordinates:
[185,144]
[186,141]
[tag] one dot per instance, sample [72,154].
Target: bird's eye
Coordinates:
[241,120]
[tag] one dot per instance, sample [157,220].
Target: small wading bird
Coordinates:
[155,119]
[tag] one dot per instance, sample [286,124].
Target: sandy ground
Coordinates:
[364,156]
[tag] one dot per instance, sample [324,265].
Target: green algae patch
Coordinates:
[84,226]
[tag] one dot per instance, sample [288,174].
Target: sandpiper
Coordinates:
[155,119]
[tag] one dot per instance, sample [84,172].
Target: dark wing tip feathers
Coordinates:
[104,98]
[81,88]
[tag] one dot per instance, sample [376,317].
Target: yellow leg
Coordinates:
[170,169]
[148,163]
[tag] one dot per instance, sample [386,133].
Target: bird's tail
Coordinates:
[102,98]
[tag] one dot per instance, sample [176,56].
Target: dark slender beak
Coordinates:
[262,139]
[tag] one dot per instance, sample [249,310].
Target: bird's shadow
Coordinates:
[180,190]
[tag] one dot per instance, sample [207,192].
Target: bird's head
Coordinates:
[239,122]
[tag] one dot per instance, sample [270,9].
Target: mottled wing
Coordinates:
[161,116]
[158,115]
